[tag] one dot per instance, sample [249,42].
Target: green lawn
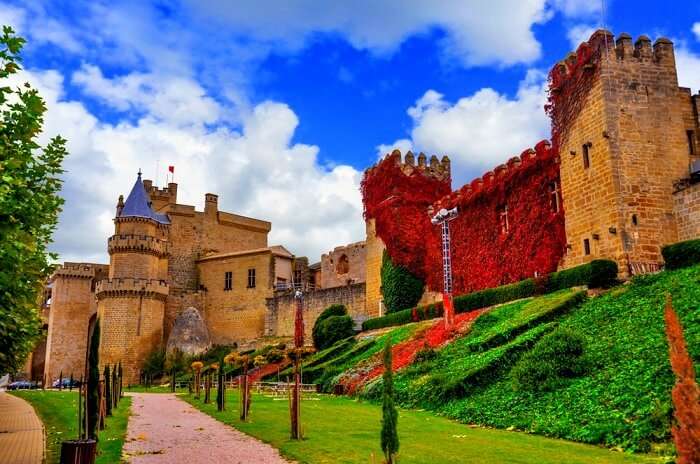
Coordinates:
[342,430]
[58,411]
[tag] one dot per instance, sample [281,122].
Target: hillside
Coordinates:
[620,397]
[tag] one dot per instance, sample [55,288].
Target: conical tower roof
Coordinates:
[137,204]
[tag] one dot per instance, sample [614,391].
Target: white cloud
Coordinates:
[35,23]
[577,8]
[696,30]
[482,130]
[688,65]
[580,33]
[476,32]
[403,145]
[257,172]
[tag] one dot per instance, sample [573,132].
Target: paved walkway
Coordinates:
[21,432]
[165,429]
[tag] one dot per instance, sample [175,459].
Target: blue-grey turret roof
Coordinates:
[138,204]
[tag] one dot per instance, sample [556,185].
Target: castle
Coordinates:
[618,180]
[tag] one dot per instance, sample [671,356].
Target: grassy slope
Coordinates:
[625,399]
[341,430]
[58,412]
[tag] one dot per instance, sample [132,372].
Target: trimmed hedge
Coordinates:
[332,330]
[681,254]
[318,329]
[596,274]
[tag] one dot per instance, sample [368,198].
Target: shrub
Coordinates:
[154,364]
[597,273]
[331,311]
[332,330]
[400,288]
[681,254]
[558,356]
[425,354]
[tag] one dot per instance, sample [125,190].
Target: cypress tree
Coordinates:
[70,385]
[60,381]
[389,435]
[108,391]
[93,380]
[220,391]
[121,383]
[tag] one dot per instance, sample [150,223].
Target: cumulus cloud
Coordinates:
[257,171]
[696,30]
[476,32]
[688,65]
[574,8]
[481,130]
[580,33]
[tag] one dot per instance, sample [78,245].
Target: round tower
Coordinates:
[131,302]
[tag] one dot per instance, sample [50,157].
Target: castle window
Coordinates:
[634,220]
[691,141]
[228,280]
[586,246]
[343,266]
[586,157]
[503,218]
[251,278]
[554,201]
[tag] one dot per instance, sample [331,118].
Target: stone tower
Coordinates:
[131,303]
[622,126]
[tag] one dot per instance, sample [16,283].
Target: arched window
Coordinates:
[343,265]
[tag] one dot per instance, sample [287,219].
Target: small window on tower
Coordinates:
[503,219]
[586,246]
[343,265]
[635,221]
[251,278]
[691,141]
[586,156]
[554,200]
[228,280]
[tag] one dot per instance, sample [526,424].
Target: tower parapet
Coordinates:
[124,243]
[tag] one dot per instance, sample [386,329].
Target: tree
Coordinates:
[29,207]
[389,436]
[108,390]
[92,405]
[686,394]
[400,288]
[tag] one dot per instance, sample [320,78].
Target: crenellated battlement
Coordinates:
[132,288]
[80,271]
[543,151]
[604,49]
[166,194]
[439,169]
[125,243]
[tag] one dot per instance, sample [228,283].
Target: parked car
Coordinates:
[66,383]
[22,385]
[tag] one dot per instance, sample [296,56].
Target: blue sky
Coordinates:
[279,106]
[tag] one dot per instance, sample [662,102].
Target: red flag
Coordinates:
[171,169]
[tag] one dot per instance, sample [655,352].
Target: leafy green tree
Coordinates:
[29,207]
[400,288]
[390,417]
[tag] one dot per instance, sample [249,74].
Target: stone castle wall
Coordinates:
[281,309]
[345,264]
[633,121]
[687,212]
[374,249]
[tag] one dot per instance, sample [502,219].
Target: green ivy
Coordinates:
[400,288]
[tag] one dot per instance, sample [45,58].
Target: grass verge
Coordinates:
[58,411]
[342,430]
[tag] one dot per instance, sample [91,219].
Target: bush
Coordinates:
[331,311]
[400,288]
[557,357]
[425,354]
[681,254]
[331,330]
[154,364]
[597,273]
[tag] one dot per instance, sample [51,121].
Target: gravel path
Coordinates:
[165,429]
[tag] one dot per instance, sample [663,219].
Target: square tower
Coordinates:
[622,127]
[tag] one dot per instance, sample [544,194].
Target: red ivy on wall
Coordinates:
[485,251]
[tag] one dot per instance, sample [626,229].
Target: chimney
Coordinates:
[211,203]
[172,191]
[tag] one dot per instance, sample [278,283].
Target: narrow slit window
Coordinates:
[586,246]
[251,278]
[691,141]
[635,221]
[503,219]
[586,157]
[554,200]
[228,280]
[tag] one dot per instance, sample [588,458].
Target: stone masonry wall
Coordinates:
[374,248]
[282,309]
[687,212]
[238,314]
[344,264]
[633,122]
